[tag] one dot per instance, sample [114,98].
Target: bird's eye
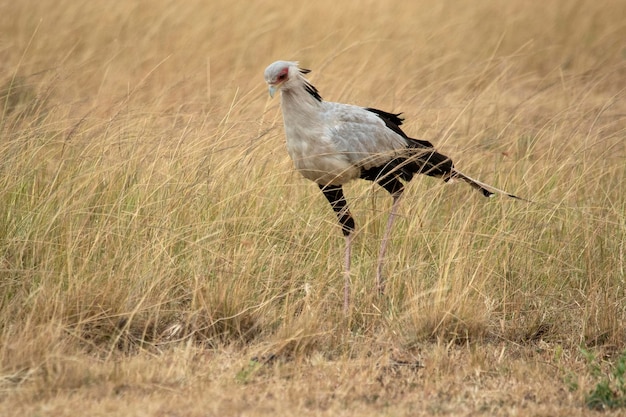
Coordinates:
[282,76]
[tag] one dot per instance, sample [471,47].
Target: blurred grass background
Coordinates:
[146,197]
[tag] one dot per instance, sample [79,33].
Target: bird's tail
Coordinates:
[485,189]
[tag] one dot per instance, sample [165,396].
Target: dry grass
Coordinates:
[155,237]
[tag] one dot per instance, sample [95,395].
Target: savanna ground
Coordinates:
[160,257]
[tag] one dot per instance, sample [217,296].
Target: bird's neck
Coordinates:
[300,105]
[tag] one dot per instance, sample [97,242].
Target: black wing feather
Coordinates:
[430,162]
[393,121]
[394,118]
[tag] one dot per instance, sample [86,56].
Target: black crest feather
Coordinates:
[312,91]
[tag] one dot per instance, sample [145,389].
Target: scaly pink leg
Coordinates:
[346,272]
[380,281]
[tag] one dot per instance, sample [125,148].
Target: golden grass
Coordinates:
[155,237]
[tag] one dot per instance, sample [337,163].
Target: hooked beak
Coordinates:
[272,88]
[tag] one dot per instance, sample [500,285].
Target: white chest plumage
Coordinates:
[314,153]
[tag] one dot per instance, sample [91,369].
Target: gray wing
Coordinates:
[361,135]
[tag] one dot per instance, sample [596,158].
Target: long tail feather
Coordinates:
[486,189]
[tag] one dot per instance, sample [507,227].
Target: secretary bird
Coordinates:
[334,143]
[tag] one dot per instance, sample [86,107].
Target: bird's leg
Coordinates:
[346,275]
[334,195]
[380,281]
[394,186]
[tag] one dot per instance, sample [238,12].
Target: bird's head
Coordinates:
[283,75]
